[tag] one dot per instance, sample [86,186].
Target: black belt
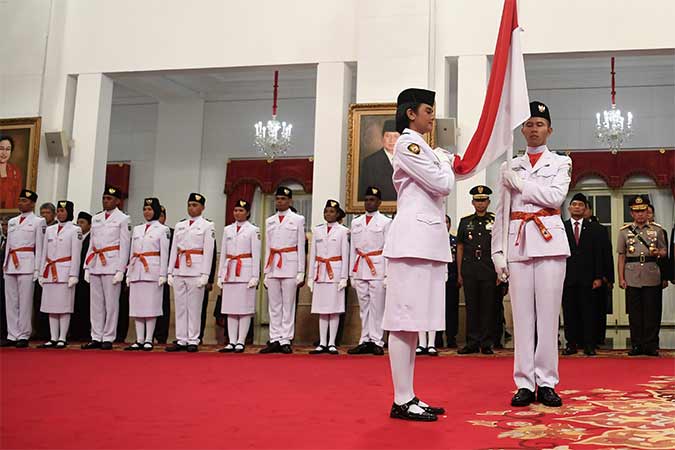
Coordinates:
[640,259]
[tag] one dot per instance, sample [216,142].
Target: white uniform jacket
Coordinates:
[368,240]
[280,238]
[240,253]
[61,253]
[108,251]
[149,257]
[192,248]
[24,244]
[332,251]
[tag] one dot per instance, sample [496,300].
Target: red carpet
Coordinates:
[82,400]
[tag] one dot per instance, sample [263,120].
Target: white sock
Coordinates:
[232,328]
[54,326]
[140,329]
[64,323]
[432,339]
[422,335]
[244,323]
[150,323]
[323,329]
[333,327]
[402,361]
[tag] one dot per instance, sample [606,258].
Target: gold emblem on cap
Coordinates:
[333,204]
[374,190]
[480,189]
[414,148]
[62,204]
[242,203]
[286,191]
[638,200]
[111,190]
[542,108]
[198,197]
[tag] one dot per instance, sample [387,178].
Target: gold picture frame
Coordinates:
[20,170]
[366,139]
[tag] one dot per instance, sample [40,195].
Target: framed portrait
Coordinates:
[372,137]
[19,150]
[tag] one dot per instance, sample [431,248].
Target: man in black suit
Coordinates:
[80,321]
[377,169]
[584,274]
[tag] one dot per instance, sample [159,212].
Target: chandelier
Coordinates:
[611,128]
[274,138]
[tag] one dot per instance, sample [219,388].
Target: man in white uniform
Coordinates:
[536,257]
[105,265]
[25,235]
[284,270]
[189,268]
[367,271]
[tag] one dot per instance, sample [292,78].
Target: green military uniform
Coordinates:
[478,273]
[639,245]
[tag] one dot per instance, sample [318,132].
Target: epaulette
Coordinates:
[656,224]
[320,225]
[469,216]
[490,213]
[625,226]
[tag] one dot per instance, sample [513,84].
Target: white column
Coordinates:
[471,88]
[178,156]
[91,130]
[333,95]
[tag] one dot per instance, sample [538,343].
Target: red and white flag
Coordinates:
[507,103]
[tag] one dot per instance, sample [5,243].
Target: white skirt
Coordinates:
[238,298]
[57,298]
[415,299]
[326,299]
[145,299]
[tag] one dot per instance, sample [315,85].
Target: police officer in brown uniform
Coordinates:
[640,246]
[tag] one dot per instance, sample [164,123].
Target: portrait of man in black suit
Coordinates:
[376,168]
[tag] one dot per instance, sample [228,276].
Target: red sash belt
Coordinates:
[141,258]
[279,251]
[535,216]
[329,268]
[188,256]
[100,253]
[15,258]
[366,256]
[51,266]
[238,258]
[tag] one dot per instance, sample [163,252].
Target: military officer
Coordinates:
[21,266]
[640,246]
[327,277]
[105,265]
[188,274]
[238,275]
[284,270]
[477,273]
[537,251]
[60,269]
[451,292]
[367,271]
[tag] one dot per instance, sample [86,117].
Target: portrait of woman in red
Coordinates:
[11,180]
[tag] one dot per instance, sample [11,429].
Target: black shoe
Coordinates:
[333,350]
[652,352]
[176,348]
[570,350]
[286,349]
[319,350]
[361,349]
[8,343]
[430,409]
[635,351]
[48,344]
[547,397]
[377,350]
[61,344]
[487,351]
[272,347]
[106,345]
[402,412]
[523,397]
[91,345]
[589,350]
[420,350]
[133,347]
[431,351]
[192,348]
[229,348]
[239,348]
[22,343]
[467,350]
[147,347]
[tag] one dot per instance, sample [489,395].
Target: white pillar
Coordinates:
[472,74]
[91,130]
[333,95]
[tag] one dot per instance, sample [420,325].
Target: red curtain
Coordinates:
[118,175]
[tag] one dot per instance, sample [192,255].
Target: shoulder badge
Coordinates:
[168,234]
[257,234]
[656,224]
[414,148]
[79,235]
[213,233]
[625,226]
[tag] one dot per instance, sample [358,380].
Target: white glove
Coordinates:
[119,276]
[501,267]
[310,285]
[342,284]
[384,282]
[299,279]
[443,155]
[511,180]
[41,280]
[253,282]
[219,282]
[161,281]
[86,276]
[36,275]
[72,281]
[128,282]
[265,282]
[203,281]
[169,280]
[446,277]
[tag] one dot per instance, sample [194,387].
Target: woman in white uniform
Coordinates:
[59,270]
[327,278]
[238,275]
[417,248]
[146,273]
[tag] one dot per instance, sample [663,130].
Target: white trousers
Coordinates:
[189,299]
[19,305]
[281,293]
[535,288]
[105,307]
[371,294]
[58,326]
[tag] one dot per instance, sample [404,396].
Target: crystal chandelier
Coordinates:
[274,138]
[611,128]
